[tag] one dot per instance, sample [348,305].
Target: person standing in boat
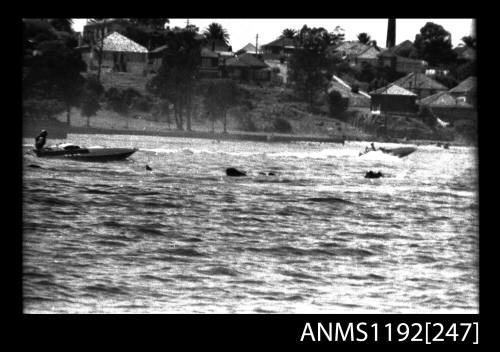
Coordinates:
[40,140]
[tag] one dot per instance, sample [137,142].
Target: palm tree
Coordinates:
[288,33]
[216,31]
[364,38]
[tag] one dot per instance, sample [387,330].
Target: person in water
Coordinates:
[40,140]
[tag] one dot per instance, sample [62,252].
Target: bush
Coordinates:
[281,125]
[42,108]
[94,85]
[90,103]
[143,104]
[115,100]
[355,88]
[246,123]
[336,103]
[120,100]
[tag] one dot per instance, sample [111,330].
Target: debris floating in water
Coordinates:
[234,172]
[371,174]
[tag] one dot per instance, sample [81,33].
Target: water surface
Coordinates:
[316,238]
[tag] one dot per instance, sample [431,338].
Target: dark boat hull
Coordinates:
[87,154]
[401,152]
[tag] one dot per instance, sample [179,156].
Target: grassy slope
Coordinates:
[262,104]
[267,103]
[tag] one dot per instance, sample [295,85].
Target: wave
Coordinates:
[329,200]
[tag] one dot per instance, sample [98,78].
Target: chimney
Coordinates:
[391,33]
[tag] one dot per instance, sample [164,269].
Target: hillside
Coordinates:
[260,109]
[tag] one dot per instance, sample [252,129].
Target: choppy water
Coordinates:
[316,238]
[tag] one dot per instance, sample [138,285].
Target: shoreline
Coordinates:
[231,135]
[61,130]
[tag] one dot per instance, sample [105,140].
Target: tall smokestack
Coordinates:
[391,33]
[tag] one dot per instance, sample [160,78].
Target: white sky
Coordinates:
[243,31]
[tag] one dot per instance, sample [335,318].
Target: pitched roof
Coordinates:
[282,42]
[444,99]
[392,89]
[117,42]
[352,48]
[403,46]
[159,49]
[249,48]
[467,86]
[387,53]
[355,99]
[246,60]
[369,53]
[415,80]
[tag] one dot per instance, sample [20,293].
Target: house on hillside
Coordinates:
[247,67]
[348,51]
[279,49]
[465,53]
[119,54]
[393,99]
[369,56]
[466,91]
[402,64]
[448,107]
[404,49]
[420,84]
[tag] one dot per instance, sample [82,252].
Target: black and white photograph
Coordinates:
[249,166]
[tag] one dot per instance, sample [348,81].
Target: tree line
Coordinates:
[53,79]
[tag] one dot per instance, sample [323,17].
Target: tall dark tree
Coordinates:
[288,33]
[364,38]
[218,96]
[90,104]
[469,41]
[310,67]
[176,78]
[433,44]
[216,31]
[55,73]
[148,32]
[157,24]
[99,46]
[62,24]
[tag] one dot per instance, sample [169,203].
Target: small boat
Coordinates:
[400,152]
[74,152]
